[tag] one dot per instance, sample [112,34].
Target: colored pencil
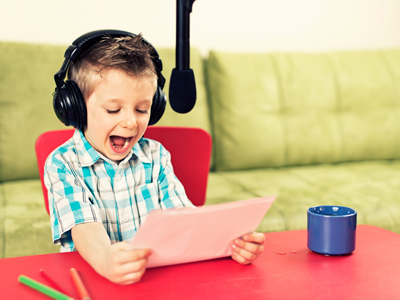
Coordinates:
[55,284]
[43,288]
[80,287]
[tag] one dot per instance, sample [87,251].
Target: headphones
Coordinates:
[68,101]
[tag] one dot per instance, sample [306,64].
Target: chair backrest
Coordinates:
[190,150]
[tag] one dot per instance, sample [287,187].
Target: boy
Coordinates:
[106,178]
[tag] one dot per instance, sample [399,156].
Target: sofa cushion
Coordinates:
[26,228]
[273,110]
[26,108]
[371,188]
[2,221]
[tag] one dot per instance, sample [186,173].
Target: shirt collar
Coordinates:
[142,150]
[86,153]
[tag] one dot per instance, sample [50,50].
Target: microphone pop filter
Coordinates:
[182,90]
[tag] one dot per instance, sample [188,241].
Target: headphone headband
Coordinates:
[86,41]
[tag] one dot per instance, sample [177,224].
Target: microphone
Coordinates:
[182,86]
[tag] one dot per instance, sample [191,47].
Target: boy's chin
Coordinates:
[117,158]
[116,155]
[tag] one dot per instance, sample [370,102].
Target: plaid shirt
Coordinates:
[85,186]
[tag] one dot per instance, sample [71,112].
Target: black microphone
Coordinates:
[182,86]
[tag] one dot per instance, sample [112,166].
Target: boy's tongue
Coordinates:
[118,141]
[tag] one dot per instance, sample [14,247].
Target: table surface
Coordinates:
[286,270]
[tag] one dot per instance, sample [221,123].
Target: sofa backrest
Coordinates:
[26,109]
[267,110]
[273,110]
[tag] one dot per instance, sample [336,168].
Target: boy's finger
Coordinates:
[132,277]
[239,259]
[249,246]
[133,266]
[138,254]
[249,249]
[247,255]
[126,256]
[254,237]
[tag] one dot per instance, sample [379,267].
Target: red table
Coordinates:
[286,270]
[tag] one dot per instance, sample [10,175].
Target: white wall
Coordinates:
[231,25]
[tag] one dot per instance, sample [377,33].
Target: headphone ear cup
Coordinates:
[69,105]
[158,106]
[79,103]
[59,105]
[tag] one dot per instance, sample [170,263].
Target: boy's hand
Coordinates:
[113,261]
[123,266]
[248,248]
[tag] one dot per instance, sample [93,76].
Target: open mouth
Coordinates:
[120,144]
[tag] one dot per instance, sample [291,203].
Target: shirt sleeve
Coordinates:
[171,191]
[69,201]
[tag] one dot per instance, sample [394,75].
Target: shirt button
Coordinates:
[118,177]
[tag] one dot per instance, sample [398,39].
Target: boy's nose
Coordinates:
[129,122]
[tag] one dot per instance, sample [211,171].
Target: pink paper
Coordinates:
[193,234]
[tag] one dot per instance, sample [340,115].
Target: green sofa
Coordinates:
[316,128]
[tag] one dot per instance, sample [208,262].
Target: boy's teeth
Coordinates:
[120,146]
[126,142]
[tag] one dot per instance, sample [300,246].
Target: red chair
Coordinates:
[190,150]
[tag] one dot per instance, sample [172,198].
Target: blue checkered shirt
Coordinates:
[85,186]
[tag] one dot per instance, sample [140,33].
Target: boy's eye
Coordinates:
[113,111]
[143,111]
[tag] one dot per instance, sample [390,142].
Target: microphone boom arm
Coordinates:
[182,54]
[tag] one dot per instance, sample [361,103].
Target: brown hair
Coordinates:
[128,53]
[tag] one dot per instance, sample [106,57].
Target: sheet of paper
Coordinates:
[193,234]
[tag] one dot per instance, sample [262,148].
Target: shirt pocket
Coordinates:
[147,198]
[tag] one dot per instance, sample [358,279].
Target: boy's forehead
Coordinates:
[118,100]
[114,73]
[108,81]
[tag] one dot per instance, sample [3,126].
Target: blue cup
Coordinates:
[331,229]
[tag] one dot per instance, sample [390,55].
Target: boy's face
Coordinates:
[118,112]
